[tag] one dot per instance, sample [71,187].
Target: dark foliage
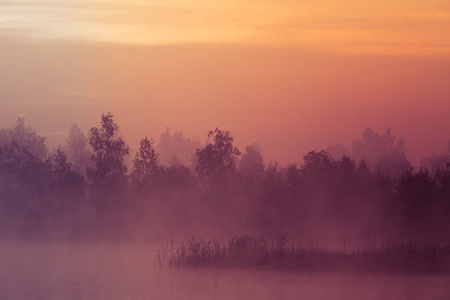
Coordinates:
[216,161]
[109,151]
[146,167]
[224,192]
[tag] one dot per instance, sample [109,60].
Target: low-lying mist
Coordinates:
[86,270]
[92,188]
[180,219]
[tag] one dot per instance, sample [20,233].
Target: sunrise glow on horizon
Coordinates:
[225,149]
[320,71]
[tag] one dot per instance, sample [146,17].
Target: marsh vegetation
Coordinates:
[245,252]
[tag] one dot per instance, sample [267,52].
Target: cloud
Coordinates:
[69,4]
[416,27]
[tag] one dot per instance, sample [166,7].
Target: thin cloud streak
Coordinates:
[417,28]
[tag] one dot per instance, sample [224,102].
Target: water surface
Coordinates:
[41,270]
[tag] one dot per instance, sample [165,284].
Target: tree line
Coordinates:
[85,187]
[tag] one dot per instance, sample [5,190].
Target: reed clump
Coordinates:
[259,253]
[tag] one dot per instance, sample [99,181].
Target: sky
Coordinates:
[292,75]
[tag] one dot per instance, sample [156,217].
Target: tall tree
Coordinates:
[317,165]
[175,149]
[384,152]
[109,154]
[24,136]
[66,182]
[252,163]
[145,165]
[77,150]
[217,159]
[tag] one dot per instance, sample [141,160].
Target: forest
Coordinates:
[94,188]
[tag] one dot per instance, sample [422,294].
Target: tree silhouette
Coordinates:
[16,165]
[317,165]
[384,152]
[145,165]
[416,193]
[175,149]
[25,136]
[109,154]
[66,182]
[217,159]
[252,163]
[327,194]
[337,151]
[435,161]
[442,178]
[77,150]
[23,177]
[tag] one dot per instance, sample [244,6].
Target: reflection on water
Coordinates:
[118,271]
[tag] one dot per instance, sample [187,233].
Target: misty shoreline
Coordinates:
[245,252]
[84,190]
[256,254]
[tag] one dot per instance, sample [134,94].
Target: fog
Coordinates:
[289,99]
[94,186]
[93,219]
[224,149]
[126,271]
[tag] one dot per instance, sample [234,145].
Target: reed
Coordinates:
[259,253]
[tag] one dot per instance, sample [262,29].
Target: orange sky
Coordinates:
[350,26]
[299,73]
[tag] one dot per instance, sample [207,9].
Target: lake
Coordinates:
[60,270]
